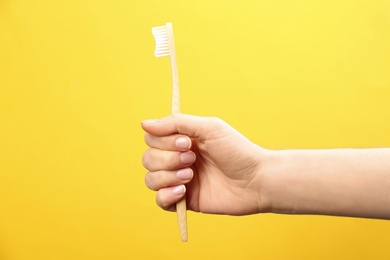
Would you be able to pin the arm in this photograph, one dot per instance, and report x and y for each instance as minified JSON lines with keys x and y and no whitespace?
{"x":222,"y":172}
{"x":343,"y":182}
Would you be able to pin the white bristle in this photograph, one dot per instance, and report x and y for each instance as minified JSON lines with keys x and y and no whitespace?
{"x":161,"y":36}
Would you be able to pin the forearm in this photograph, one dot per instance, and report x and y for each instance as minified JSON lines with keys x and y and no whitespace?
{"x":343,"y":182}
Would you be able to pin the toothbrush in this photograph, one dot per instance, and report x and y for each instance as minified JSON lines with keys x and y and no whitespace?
{"x":165,"y":46}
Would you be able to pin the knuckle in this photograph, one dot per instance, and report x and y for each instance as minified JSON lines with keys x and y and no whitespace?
{"x":175,"y":116}
{"x":161,"y":202}
{"x":148,"y":181}
{"x":163,"y":180}
{"x":217,"y":121}
{"x":145,"y":159}
{"x":176,"y":119}
{"x":166,"y":160}
{"x":147,"y":139}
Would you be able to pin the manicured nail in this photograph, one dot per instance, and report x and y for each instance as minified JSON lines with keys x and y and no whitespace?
{"x":178,"y":190}
{"x":187,"y":157}
{"x":150,"y":121}
{"x":184,"y":174}
{"x":183,"y":143}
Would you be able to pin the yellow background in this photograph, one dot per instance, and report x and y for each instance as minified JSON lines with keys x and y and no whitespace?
{"x":78,"y":76}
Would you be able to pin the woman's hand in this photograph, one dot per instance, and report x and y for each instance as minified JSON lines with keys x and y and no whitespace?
{"x":217,"y":167}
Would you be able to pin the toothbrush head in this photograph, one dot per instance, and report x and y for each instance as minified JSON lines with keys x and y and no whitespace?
{"x":161,"y":35}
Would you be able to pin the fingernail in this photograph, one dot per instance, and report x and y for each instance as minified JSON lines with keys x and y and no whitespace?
{"x":187,"y":157}
{"x":183,"y":143}
{"x":150,"y":121}
{"x":178,"y":190}
{"x":184,"y":174}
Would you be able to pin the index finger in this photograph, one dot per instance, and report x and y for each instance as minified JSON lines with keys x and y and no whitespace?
{"x":192,"y":126}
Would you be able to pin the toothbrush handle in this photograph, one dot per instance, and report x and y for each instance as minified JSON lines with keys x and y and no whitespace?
{"x":181,"y":206}
{"x":181,"y":209}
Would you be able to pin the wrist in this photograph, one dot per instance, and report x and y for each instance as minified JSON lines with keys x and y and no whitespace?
{"x":272,"y":190}
{"x":262,"y":190}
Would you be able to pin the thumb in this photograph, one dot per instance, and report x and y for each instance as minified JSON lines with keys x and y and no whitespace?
{"x":192,"y":126}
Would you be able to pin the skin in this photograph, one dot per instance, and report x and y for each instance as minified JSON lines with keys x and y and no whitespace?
{"x":222,"y":172}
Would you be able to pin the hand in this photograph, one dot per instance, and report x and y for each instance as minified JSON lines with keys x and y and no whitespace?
{"x":220,"y":167}
{"x":225,"y":173}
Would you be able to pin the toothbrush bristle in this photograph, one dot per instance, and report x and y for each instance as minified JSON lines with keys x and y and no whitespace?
{"x":161,"y":36}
